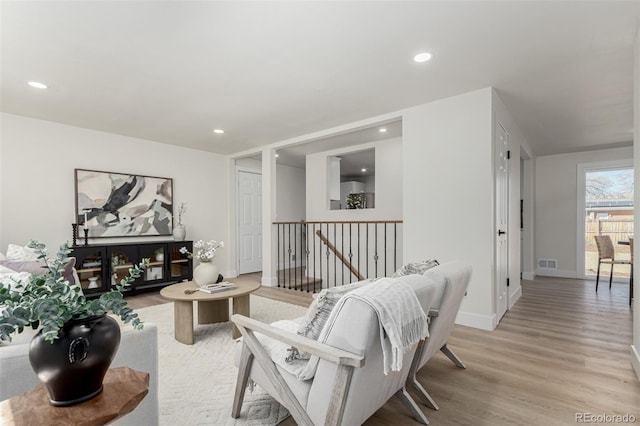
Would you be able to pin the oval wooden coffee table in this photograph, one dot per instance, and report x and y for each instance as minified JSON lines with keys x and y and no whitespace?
{"x":212,"y":308}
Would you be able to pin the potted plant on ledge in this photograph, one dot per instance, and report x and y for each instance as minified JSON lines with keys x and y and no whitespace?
{"x":77,"y":340}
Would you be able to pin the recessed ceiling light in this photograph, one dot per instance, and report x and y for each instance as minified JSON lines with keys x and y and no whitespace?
{"x":382,"y":129}
{"x":37,"y":84}
{"x":363,"y":170}
{"x":277,"y":155}
{"x":422,"y":57}
{"x":218,"y":131}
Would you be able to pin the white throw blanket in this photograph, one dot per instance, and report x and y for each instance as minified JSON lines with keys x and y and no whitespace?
{"x":403,"y":322}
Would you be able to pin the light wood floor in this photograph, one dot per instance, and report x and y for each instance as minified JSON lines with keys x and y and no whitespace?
{"x":561,"y":350}
{"x":300,"y":298}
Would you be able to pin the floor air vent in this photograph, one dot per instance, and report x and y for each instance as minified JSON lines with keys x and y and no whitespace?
{"x":547,"y":263}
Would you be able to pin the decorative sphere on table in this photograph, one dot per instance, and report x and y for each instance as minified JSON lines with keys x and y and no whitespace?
{"x":205,"y":273}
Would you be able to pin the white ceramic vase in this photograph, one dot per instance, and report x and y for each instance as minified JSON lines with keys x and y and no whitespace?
{"x":93,"y":282}
{"x":205,"y":273}
{"x":179,"y":233}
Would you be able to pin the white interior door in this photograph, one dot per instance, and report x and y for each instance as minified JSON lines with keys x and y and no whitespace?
{"x":501,"y":153}
{"x":249,"y":221}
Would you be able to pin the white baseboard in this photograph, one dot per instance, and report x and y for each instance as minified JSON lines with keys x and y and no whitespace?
{"x":635,"y":361}
{"x":513,"y":297}
{"x":528,"y":275}
{"x":545,"y":272}
{"x":483,"y":322}
{"x":269,"y":281}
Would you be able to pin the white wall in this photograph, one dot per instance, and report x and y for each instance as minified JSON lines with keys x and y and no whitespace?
{"x":291,"y":193}
{"x":37,"y":163}
{"x":370,"y":184}
{"x":2,"y":246}
{"x":635,"y":349}
{"x":388,"y":184}
{"x":556,"y":206}
{"x":249,"y":164}
{"x":448,"y":192}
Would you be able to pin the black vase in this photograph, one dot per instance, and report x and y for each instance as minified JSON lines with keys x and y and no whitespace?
{"x":73,"y":366}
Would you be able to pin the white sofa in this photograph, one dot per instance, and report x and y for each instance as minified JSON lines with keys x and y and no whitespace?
{"x":138,"y":350}
{"x":349,"y":384}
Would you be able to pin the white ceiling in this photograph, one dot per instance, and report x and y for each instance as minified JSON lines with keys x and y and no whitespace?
{"x":269,"y":71}
{"x":352,"y":164}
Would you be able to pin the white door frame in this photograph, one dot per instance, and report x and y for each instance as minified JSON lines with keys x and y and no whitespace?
{"x":240,"y":169}
{"x":499,"y":286}
{"x":582,"y":170}
{"x":528,"y":253}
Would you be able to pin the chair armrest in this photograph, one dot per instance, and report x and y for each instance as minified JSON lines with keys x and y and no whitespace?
{"x":313,"y":347}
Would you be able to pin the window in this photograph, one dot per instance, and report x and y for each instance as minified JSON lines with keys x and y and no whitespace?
{"x":608,"y":203}
{"x":351,"y":180}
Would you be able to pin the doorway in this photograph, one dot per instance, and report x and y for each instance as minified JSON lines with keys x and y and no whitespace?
{"x":249,"y":221}
{"x":605,"y":207}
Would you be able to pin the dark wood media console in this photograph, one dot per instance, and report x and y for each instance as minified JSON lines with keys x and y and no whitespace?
{"x":101,"y":266}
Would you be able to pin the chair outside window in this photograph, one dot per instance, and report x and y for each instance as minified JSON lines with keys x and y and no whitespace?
{"x":606,"y":255}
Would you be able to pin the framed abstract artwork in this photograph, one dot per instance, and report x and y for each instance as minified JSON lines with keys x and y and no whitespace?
{"x":121,"y":205}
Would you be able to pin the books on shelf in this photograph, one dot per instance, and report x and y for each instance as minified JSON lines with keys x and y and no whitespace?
{"x":214,"y":288}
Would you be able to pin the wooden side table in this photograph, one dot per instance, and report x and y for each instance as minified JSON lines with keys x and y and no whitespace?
{"x":212,"y":308}
{"x":123,"y":390}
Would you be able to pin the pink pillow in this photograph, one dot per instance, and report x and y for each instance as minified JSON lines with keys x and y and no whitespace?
{"x":36,"y":267}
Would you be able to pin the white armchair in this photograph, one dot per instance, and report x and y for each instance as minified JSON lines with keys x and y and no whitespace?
{"x":456,"y":276}
{"x":279,"y":385}
{"x":349,"y":384}
{"x":345,"y":388}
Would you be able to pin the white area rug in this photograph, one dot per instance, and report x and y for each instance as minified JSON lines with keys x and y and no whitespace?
{"x":197,"y":381}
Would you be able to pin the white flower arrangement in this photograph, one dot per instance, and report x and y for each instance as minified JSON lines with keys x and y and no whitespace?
{"x":356,"y":201}
{"x":203,"y":251}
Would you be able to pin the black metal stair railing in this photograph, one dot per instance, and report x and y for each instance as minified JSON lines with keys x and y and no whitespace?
{"x":316,"y":255}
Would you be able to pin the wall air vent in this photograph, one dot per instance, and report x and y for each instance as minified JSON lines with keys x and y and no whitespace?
{"x":547,"y":263}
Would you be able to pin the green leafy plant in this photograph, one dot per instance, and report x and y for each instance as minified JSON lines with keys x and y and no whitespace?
{"x":356,"y":201}
{"x":49,"y":301}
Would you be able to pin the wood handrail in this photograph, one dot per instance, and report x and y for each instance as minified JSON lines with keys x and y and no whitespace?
{"x":339,"y":255}
{"x":337,"y":221}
